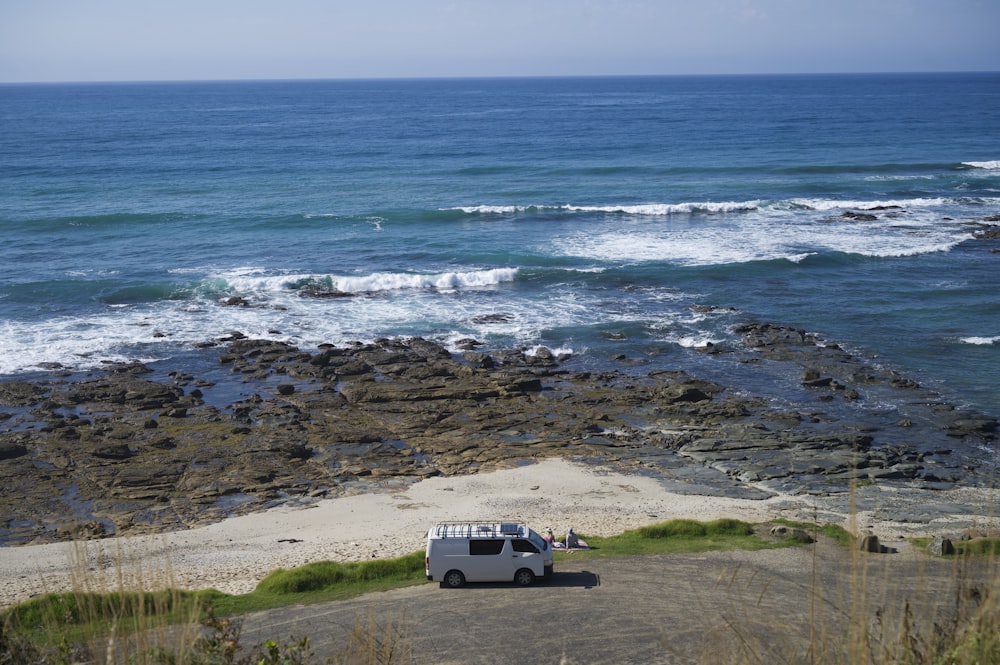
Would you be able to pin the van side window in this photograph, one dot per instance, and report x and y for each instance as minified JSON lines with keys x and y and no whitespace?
{"x":524,"y":546}
{"x":486,"y":547}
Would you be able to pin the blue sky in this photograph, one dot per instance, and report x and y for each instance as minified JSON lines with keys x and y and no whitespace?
{"x":103,"y":40}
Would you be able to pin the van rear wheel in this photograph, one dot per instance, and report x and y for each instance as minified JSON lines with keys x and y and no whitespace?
{"x":454,"y":579}
{"x":524,"y":577}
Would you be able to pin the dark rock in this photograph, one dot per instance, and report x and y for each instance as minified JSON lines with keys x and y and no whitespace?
{"x":811,"y":378}
{"x":685,"y":393}
{"x":870,"y":543}
{"x":479,"y":360}
{"x":285,"y":389}
{"x":406,"y":409}
{"x":134,"y":367}
{"x":119,"y":451}
{"x":20,"y":393}
{"x":163,"y":443}
{"x":315,"y":290}
{"x":859,"y":216}
{"x":11,"y":450}
{"x":493,"y":318}
{"x":792,"y":533}
{"x":941,"y":546}
{"x":987,"y":234}
{"x":972,"y":424}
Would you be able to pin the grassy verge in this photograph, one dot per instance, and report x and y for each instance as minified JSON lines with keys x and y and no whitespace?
{"x":60,"y":628}
{"x":677,"y":537}
{"x":65,"y":618}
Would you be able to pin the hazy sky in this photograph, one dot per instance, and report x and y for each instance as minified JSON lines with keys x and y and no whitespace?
{"x":100,"y":40}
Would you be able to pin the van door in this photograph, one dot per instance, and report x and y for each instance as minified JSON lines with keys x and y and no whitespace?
{"x":489,"y":560}
{"x":526,"y":555}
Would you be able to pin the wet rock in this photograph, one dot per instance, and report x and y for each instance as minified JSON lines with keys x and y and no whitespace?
{"x":811,"y":378}
{"x":118,"y":451}
{"x":11,"y":450}
{"x":407,"y":409}
{"x":20,"y":393}
{"x":860,"y":216}
{"x":971,"y":424}
{"x":991,"y":233}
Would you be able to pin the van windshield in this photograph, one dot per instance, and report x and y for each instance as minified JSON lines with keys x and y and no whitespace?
{"x":537,"y":541}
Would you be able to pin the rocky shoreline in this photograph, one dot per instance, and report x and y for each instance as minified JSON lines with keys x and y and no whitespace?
{"x":121,"y":452}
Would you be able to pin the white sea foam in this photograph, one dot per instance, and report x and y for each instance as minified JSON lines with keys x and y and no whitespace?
{"x":833,"y":204}
{"x":252,"y":280}
{"x":722,"y":207}
{"x":558,"y":351}
{"x":664,"y":209}
{"x":640,"y":209}
{"x":981,"y":341}
{"x":772,"y":233}
{"x":695,"y":342}
{"x":434,"y":305}
{"x":898,"y":178}
{"x":991,"y":165}
{"x":495,"y":209}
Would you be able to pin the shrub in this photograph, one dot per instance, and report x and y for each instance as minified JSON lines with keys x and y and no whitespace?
{"x":326,"y":574}
{"x":310,"y":577}
{"x":693,"y":529}
{"x":673,"y":529}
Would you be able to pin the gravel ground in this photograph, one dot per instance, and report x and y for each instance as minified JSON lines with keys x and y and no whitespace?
{"x":719,"y":607}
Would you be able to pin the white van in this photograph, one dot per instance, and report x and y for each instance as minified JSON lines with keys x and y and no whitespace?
{"x":460,"y":552}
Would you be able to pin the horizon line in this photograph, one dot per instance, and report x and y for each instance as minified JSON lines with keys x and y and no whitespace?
{"x":473,"y":77}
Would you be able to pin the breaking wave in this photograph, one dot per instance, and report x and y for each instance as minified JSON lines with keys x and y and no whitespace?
{"x":246,"y":280}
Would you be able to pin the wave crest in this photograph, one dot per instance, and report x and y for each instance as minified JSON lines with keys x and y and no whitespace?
{"x":990,"y":165}
{"x":245,"y":281}
{"x":640,"y":209}
{"x":981,"y":341}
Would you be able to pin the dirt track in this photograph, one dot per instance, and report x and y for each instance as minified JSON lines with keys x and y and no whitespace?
{"x":659,"y":609}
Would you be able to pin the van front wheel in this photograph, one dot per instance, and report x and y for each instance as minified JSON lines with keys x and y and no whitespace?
{"x":454,"y":579}
{"x":524,"y":577}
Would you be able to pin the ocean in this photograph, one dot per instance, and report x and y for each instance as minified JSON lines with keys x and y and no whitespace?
{"x":634,"y":218}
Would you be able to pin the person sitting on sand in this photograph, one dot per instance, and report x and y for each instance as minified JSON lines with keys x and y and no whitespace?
{"x":550,"y":537}
{"x":571,"y":539}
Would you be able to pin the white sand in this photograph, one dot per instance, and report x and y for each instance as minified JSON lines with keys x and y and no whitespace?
{"x":234,"y":555}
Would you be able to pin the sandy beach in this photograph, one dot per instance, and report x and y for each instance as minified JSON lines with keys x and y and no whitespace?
{"x":234,"y":555}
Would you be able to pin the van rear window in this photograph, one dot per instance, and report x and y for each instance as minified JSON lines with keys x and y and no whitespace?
{"x":485,"y":547}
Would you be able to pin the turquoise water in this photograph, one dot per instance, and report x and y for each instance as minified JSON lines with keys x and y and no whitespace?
{"x":603,"y":216}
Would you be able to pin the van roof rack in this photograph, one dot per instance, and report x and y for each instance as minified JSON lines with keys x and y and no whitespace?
{"x":482,"y":529}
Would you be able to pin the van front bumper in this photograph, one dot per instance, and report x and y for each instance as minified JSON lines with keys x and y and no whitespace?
{"x":547,"y":571}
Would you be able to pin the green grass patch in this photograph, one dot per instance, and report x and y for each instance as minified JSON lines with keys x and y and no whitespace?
{"x":76,"y":617}
{"x":978,"y":547}
{"x":81,"y":616}
{"x":835,"y":532}
{"x":985,"y":547}
{"x":676,"y":537}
